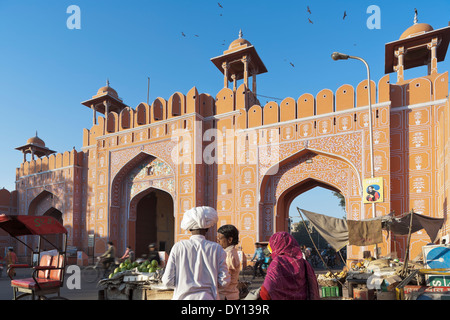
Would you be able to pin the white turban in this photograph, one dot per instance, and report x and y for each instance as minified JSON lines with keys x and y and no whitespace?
{"x":199,"y":218}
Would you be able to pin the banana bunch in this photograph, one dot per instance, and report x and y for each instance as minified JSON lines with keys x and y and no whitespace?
{"x":339,"y":275}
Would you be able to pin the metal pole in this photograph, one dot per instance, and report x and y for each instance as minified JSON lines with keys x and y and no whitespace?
{"x":317,"y":250}
{"x":148,"y":88}
{"x":372,"y":165}
{"x":372,"y":172}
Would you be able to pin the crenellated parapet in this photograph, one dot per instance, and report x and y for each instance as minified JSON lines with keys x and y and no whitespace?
{"x":8,"y":201}
{"x":325,"y":102}
{"x":160,"y":111}
{"x":50,"y":163}
{"x":244,"y":106}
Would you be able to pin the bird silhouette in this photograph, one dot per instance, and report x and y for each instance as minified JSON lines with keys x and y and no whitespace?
{"x":291,"y":64}
{"x":310,"y":21}
{"x":196,"y":35}
{"x":309,"y":10}
{"x":219,"y":4}
{"x":345,"y":14}
{"x":182,"y":33}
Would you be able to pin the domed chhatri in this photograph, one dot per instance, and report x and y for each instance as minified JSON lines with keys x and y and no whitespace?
{"x":105,"y":101}
{"x":36,"y":147}
{"x":240,"y":61}
{"x":418,"y":45}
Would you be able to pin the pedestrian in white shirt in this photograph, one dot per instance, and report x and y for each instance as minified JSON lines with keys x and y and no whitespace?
{"x":197,"y":267}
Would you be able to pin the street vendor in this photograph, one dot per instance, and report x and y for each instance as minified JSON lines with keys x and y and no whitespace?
{"x":153,"y":253}
{"x":128,"y":254}
{"x":197,"y":267}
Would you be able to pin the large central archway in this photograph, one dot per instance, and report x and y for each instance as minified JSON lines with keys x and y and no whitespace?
{"x":134,"y":216}
{"x":154,"y":221}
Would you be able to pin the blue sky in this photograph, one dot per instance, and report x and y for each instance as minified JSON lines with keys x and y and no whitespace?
{"x":47,"y":70}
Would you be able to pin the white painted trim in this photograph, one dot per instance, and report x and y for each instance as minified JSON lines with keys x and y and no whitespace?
{"x":420,"y":105}
{"x":47,"y":171}
{"x":377,"y":105}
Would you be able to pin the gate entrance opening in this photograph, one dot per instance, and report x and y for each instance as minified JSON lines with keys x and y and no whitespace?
{"x":154,"y":222}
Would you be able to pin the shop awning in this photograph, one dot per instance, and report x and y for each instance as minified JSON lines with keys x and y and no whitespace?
{"x":21,"y":225}
{"x":340,"y":232}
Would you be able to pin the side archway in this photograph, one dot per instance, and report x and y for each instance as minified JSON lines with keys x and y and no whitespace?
{"x":297,"y":174}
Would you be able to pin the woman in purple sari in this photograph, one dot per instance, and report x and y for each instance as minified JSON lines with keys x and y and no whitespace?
{"x":289,"y":276}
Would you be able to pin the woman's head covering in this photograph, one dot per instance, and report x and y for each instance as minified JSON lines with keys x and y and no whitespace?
{"x":289,"y":276}
{"x":199,"y":218}
{"x":282,"y":243}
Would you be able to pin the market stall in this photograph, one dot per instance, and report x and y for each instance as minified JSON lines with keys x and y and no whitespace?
{"x":135,"y":281}
{"x":372,"y":278}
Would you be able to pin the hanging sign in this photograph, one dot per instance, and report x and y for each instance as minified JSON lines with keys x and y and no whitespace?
{"x":373,"y":190}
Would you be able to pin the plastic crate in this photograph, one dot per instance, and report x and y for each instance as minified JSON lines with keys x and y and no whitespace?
{"x":328,"y":292}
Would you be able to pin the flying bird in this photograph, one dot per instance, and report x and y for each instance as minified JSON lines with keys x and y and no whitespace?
{"x":310,"y":21}
{"x":196,"y":35}
{"x":309,"y":11}
{"x":291,"y":64}
{"x":182,"y":33}
{"x":219,"y":4}
{"x":345,"y":14}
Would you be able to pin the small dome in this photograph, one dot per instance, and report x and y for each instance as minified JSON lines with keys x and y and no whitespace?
{"x":107,"y":90}
{"x":239,"y":43}
{"x":415,"y":30}
{"x":36,"y":141}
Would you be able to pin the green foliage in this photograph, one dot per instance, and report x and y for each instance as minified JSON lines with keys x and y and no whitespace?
{"x":341,"y":199}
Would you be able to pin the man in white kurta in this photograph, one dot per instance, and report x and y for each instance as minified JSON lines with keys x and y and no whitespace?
{"x":197,"y":267}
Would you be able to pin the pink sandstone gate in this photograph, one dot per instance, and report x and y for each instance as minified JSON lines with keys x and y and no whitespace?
{"x":320,"y":139}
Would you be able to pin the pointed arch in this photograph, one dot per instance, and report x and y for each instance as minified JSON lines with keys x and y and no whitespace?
{"x":44,"y":195}
{"x":134,"y":176}
{"x":298,"y":173}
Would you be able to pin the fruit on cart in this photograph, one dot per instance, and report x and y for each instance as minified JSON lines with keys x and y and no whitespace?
{"x":154,"y":263}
